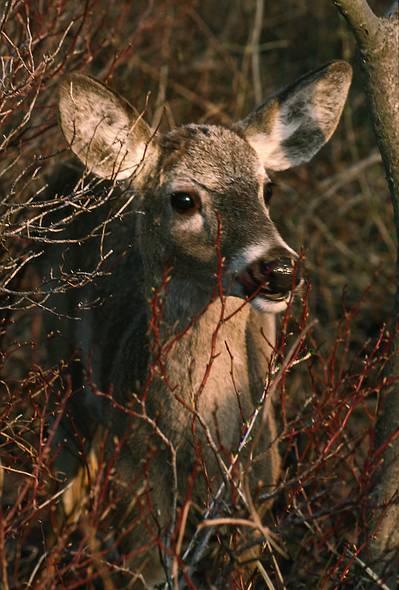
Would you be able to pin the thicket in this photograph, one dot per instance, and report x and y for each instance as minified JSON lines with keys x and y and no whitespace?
{"x":203,"y":62}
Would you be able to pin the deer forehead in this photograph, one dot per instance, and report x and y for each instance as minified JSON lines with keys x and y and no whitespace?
{"x":216,"y":158}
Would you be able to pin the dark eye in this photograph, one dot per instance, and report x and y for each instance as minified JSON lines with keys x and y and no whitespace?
{"x":183,"y":202}
{"x":268,"y":193}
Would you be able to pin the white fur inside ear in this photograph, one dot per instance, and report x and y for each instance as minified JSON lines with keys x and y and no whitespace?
{"x":125,"y":162}
{"x":102,"y":137}
{"x":102,"y":129}
{"x":268,"y":145}
{"x":290,"y":128}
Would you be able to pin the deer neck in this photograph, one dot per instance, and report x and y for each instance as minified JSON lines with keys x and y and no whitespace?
{"x":200,"y":337}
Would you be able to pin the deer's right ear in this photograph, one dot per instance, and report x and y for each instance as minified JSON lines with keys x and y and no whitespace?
{"x":106,"y":133}
{"x":291,"y":127}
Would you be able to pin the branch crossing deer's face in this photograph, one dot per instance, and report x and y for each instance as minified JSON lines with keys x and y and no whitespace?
{"x":205,"y":189}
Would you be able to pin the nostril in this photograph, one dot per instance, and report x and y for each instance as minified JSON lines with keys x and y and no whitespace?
{"x":281,"y":275}
{"x":280,"y":266}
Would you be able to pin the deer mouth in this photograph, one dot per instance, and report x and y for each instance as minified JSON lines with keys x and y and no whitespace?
{"x":253,"y":288}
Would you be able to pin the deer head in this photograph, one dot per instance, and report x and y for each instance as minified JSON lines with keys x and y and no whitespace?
{"x":198,"y":180}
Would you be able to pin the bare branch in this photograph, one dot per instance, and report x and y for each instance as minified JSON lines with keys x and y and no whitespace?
{"x":361,"y":19}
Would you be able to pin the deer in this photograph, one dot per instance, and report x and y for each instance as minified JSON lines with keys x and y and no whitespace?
{"x":184,"y":335}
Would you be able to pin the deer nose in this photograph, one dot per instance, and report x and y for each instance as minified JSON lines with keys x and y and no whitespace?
{"x":271,"y":278}
{"x":280,"y":275}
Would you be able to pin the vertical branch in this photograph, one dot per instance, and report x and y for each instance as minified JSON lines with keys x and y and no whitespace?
{"x":378,"y":41}
{"x":256,"y":33}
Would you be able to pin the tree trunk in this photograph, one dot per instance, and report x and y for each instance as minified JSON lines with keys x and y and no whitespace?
{"x":377,"y":39}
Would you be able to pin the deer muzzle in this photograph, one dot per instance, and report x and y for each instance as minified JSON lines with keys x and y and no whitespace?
{"x":271,"y":279}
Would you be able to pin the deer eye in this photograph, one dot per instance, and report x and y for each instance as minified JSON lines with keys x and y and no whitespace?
{"x":268,"y":193}
{"x":184,"y":202}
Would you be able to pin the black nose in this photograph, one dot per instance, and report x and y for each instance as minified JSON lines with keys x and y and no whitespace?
{"x":279,"y":276}
{"x":273,"y":279}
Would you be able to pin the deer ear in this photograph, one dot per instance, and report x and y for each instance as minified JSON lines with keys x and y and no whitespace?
{"x":291,"y":127}
{"x":106,"y":133}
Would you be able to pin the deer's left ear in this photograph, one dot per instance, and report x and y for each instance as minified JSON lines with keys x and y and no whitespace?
{"x":291,"y":127}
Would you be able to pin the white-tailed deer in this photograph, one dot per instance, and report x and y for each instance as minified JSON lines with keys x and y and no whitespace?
{"x":185,"y":328}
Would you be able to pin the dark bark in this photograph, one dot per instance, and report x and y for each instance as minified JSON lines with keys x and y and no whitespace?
{"x":377,"y":39}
